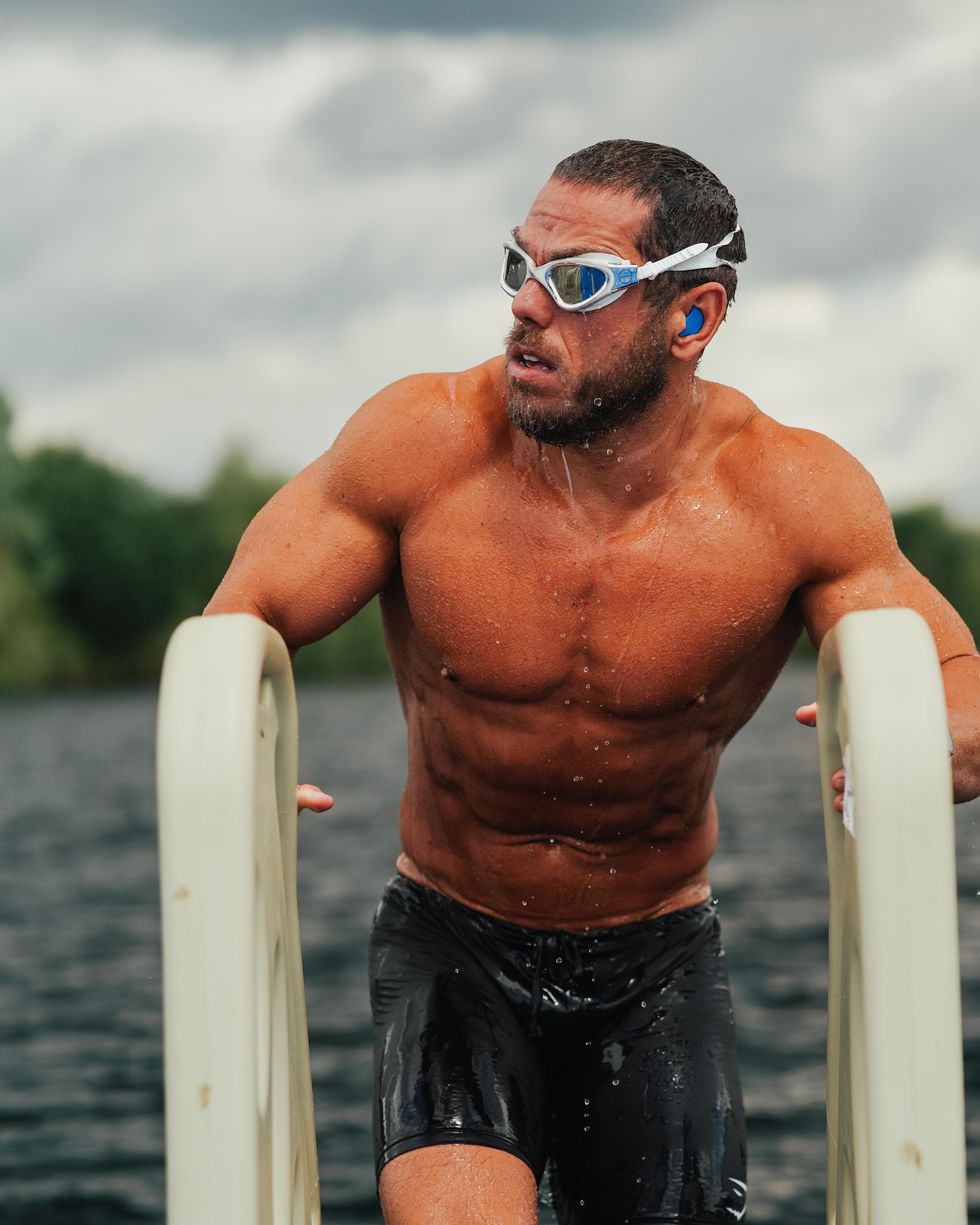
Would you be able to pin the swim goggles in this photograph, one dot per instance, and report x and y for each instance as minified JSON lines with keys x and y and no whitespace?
{"x":593,"y":280}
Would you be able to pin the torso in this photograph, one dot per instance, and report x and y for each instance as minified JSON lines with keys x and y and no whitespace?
{"x":569,"y":688}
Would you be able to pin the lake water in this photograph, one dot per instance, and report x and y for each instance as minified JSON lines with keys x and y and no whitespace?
{"x":81,"y":1101}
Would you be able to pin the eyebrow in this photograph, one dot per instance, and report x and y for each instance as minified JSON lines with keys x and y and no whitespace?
{"x":569,"y":253}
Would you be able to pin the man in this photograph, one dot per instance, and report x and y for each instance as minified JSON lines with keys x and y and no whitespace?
{"x":592,"y":566}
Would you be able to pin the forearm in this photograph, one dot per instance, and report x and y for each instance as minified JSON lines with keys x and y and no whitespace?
{"x":226,"y":600}
{"x":961,"y":678}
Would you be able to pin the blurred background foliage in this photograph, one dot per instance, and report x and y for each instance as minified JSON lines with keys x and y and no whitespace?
{"x":97,"y":567}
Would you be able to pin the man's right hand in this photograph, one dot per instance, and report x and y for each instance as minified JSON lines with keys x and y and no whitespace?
{"x":311,"y":797}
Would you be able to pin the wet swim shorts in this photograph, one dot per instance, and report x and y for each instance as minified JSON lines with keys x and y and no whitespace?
{"x":608,"y":1056}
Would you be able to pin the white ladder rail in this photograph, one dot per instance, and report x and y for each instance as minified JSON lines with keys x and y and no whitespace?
{"x":239,"y":1103}
{"x":895,"y":1115}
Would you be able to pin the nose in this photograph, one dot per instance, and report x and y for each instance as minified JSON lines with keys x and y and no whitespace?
{"x":533,"y":304}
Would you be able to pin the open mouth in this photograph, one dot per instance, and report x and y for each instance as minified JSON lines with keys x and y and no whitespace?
{"x":530,"y":362}
{"x":528,"y":368}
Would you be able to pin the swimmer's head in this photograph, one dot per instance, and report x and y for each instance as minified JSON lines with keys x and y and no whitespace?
{"x":687,"y":204}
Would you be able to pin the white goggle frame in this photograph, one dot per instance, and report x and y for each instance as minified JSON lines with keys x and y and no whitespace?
{"x":619,"y":274}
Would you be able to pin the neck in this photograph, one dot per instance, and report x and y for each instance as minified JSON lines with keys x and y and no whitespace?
{"x":633,"y":464}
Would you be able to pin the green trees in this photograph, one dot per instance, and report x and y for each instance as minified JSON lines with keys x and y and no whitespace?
{"x":97,"y":567}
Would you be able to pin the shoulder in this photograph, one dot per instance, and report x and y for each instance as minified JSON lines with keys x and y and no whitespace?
{"x":824,"y":504}
{"x":416,"y":434}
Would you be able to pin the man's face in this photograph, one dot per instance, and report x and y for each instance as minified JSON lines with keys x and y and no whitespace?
{"x":596,"y":370}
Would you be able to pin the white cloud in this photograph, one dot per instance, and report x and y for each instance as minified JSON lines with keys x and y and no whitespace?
{"x":286,"y":396}
{"x":206,"y":239}
{"x":883,"y":365}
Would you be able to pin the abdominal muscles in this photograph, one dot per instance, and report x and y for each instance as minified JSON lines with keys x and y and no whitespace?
{"x":548,"y":816}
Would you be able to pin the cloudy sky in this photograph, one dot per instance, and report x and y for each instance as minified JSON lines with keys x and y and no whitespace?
{"x":238,"y":219}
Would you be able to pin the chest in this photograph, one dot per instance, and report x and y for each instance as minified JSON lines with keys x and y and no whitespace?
{"x":523,"y":607}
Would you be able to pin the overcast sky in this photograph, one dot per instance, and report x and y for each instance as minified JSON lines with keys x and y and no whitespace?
{"x":238,"y":220}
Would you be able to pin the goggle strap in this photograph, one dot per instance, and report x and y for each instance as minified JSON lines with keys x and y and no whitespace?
{"x":699,"y":255}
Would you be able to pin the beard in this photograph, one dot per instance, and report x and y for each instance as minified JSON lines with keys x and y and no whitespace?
{"x":603,"y":400}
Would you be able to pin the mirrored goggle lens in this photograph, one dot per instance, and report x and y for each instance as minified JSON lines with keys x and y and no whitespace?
{"x":576,"y":283}
{"x":515,"y":270}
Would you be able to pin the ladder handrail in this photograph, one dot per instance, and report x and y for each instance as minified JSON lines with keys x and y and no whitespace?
{"x":239,"y":1103}
{"x":895,"y":1117}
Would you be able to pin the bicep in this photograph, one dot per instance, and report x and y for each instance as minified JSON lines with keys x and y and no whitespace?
{"x":857,"y":564}
{"x":309,"y":559}
{"x":891,"y":583}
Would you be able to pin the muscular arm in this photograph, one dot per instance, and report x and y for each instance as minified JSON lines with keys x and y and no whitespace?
{"x":855,"y":563}
{"x":328,"y":540}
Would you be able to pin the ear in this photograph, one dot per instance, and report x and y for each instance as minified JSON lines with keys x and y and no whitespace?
{"x":693,"y":319}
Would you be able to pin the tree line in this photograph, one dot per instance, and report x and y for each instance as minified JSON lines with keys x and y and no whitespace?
{"x":97,"y":567}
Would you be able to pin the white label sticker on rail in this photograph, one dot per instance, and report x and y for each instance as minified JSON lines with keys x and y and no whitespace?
{"x":848,"y":794}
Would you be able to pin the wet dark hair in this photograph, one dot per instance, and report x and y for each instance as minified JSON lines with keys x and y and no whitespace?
{"x":688,"y":204}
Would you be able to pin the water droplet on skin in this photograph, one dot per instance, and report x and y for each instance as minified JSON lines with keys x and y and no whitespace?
{"x":585,"y":667}
{"x":568,"y":701}
{"x":629,"y":488}
{"x":597,"y":402}
{"x":606,"y":742}
{"x":615,"y":1082}
{"x":576,"y":778}
{"x":587,"y":685}
{"x":643,"y":1003}
{"x":612,"y":871}
{"x":523,"y":903}
{"x":586,"y":1100}
{"x":557,"y":961}
{"x":609,"y":450}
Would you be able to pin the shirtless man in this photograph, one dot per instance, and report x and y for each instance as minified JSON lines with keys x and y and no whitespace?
{"x":592,"y":566}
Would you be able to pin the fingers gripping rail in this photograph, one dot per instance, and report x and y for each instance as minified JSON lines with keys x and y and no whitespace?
{"x":239,"y":1103}
{"x":895,"y":1127}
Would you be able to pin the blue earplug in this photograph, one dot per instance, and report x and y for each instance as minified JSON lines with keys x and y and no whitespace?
{"x":693,"y":323}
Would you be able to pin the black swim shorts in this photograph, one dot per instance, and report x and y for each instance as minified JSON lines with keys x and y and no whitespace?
{"x":608,"y":1056}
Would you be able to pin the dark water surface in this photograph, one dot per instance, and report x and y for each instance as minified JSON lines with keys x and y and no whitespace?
{"x":81,"y":1131}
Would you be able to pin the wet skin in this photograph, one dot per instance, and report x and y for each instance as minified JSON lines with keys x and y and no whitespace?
{"x":572,"y":662}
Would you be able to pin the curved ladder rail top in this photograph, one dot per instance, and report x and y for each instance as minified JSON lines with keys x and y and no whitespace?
{"x":239,"y":1103}
{"x":895,"y":1119}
